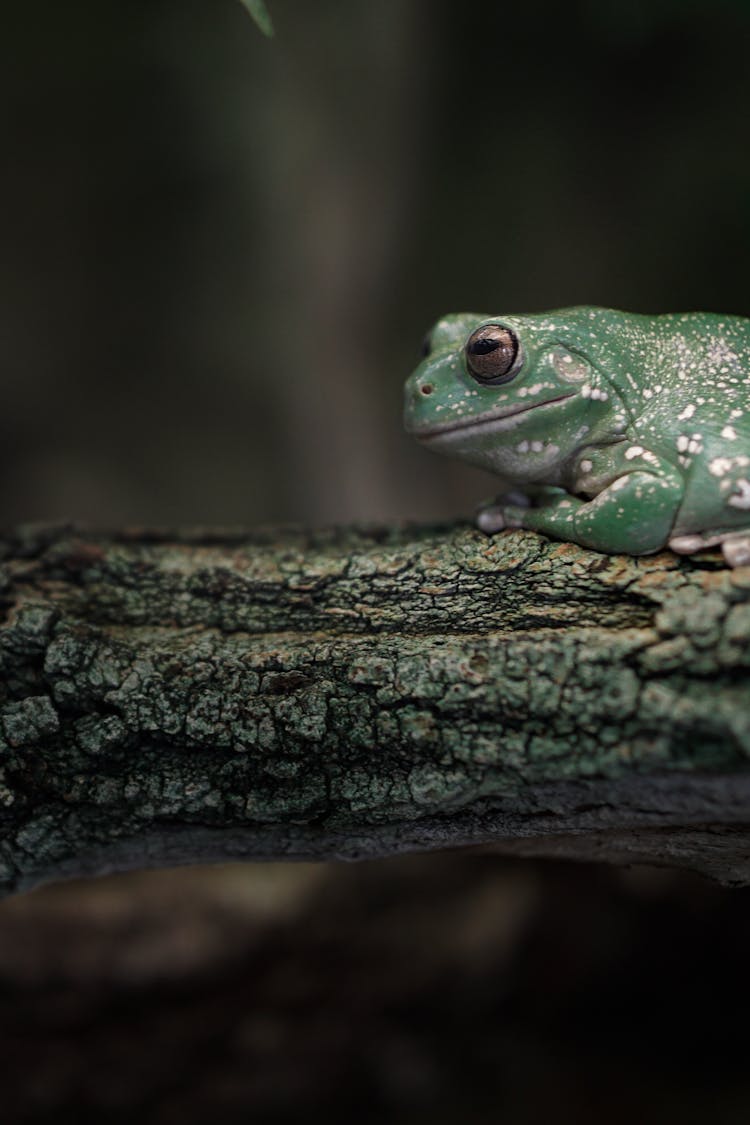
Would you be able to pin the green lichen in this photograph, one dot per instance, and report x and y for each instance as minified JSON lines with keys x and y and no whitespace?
{"x":348,"y":681}
{"x":29,"y":721}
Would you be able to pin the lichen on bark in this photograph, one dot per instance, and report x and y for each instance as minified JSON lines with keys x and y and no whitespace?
{"x":179,"y":696}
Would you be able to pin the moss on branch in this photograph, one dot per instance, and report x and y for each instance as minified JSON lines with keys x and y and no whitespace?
{"x":173,"y":697}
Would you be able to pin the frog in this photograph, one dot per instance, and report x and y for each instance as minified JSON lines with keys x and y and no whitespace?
{"x":624,"y":433}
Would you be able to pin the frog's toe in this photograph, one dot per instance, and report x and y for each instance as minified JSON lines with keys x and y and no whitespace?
{"x":735,"y":548}
{"x":736,"y":551}
{"x":491,"y":519}
{"x":502,"y":512}
{"x":687,"y":544}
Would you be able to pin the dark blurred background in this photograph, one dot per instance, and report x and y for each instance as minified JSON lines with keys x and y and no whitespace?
{"x":221,"y":253}
{"x":219,"y":257}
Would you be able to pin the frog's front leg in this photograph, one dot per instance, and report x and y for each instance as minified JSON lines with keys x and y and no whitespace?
{"x":491,"y":516}
{"x":633,"y":515}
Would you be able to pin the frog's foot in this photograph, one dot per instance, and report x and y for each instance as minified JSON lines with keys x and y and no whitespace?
{"x":691,"y":544}
{"x":492,"y":516}
{"x":735,"y":548}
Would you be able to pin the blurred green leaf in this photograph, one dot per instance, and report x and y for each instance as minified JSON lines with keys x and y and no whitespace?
{"x":260,"y":14}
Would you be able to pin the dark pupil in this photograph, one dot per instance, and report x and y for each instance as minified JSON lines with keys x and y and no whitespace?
{"x":484,"y":346}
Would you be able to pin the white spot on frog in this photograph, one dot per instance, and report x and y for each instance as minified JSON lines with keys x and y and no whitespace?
{"x":719,"y":466}
{"x":741,"y":498}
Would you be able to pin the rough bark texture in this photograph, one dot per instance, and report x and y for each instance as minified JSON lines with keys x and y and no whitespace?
{"x":193,"y":696}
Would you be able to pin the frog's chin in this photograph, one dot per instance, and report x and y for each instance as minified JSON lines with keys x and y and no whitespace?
{"x":489,"y":423}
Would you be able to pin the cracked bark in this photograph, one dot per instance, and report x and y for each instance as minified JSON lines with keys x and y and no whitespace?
{"x":174,"y":697}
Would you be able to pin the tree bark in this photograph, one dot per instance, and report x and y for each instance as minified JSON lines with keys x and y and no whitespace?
{"x":175,"y":697}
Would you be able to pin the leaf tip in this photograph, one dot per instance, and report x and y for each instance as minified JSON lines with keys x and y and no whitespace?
{"x":260,"y":15}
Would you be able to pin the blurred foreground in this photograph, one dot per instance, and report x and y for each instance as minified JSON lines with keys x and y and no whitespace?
{"x":439,"y":989}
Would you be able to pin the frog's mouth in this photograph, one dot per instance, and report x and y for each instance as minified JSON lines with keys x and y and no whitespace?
{"x":490,"y":422}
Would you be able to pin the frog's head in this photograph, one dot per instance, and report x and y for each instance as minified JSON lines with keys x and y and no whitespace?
{"x":514,"y":394}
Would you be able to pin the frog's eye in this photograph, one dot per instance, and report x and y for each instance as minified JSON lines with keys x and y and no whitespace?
{"x":491,"y":354}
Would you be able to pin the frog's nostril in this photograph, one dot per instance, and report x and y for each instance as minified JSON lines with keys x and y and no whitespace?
{"x":427,"y":388}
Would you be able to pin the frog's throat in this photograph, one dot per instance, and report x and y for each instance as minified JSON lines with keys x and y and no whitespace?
{"x":491,"y":420}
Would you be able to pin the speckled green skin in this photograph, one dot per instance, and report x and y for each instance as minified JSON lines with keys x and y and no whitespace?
{"x":175,"y":697}
{"x":625,"y":432}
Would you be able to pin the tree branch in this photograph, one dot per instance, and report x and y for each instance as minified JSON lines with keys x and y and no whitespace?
{"x":194,"y":696}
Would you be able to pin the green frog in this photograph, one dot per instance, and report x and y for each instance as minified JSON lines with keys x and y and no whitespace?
{"x":621,"y":432}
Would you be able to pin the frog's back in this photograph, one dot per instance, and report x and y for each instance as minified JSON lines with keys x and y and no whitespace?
{"x":695,"y":412}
